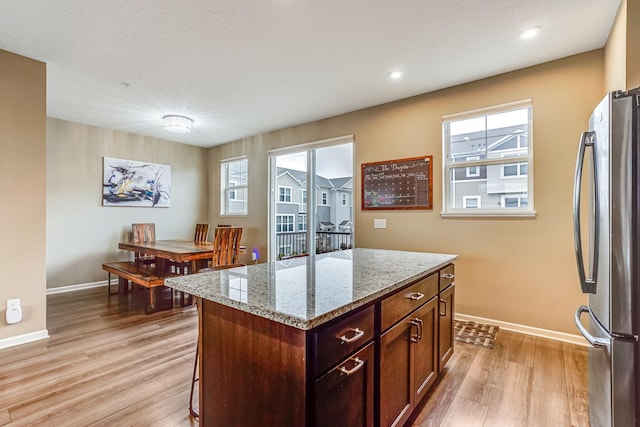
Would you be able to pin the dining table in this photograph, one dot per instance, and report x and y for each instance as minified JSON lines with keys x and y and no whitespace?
{"x":168,"y":253}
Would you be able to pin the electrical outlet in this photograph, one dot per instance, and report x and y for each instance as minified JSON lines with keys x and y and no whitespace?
{"x":13,"y":303}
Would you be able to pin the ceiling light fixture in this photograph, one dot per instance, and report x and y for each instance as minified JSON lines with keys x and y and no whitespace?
{"x":395,"y":74}
{"x":177,"y":124}
{"x":529,"y":32}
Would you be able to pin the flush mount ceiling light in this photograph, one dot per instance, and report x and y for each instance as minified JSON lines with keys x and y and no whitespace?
{"x":395,"y":74}
{"x":177,"y":124}
{"x":529,"y":32}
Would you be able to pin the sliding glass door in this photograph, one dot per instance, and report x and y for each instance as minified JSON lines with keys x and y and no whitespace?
{"x":311,"y":199}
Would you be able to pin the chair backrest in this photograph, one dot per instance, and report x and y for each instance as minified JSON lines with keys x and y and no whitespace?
{"x":226,"y":246}
{"x":202,"y":232}
{"x":143,"y":232}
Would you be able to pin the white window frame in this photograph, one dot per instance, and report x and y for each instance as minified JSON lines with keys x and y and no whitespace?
{"x":448,"y":165}
{"x":324,"y":198}
{"x":302,"y":206}
{"x":279,"y":224}
{"x":343,"y":199}
{"x":229,"y":188}
{"x":282,"y":195}
{"x":466,"y":199}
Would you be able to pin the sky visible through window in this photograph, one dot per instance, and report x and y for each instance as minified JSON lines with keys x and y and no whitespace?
{"x":331,"y":162}
{"x":493,"y":121}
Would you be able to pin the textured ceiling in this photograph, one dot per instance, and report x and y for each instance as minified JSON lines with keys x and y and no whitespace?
{"x":244,"y":67}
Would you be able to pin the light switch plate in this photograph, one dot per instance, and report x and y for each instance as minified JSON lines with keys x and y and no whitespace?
{"x":379,"y":223}
{"x":13,"y":303}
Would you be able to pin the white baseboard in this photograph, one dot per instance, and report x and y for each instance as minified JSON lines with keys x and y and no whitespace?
{"x":71,"y":288}
{"x":24,"y":338}
{"x":528,"y":330}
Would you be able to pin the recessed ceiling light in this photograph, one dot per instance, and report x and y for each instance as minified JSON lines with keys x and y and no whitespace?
{"x":395,"y":74}
{"x":529,"y":32}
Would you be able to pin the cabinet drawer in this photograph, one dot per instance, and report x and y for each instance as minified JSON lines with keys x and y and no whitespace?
{"x":408,"y":299}
{"x":447,"y":276}
{"x":336,"y":341}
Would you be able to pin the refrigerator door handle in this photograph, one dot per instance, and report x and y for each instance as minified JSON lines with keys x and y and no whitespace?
{"x":594,"y":341}
{"x":588,"y":284}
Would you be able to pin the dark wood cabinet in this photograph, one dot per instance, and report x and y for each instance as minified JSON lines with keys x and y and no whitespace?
{"x":344,"y":395}
{"x":371,"y":366}
{"x":408,"y":363}
{"x":446,"y":308}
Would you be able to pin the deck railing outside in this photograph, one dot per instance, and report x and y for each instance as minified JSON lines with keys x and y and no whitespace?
{"x":295,"y":242}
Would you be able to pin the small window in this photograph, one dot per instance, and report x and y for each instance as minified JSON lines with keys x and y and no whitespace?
{"x":302,"y":223}
{"x":284,"y":194}
{"x":343,"y":199}
{"x":284,"y":223}
{"x":488,"y":161}
{"x":325,"y":198}
{"x":234,"y":179}
{"x":471,"y":202}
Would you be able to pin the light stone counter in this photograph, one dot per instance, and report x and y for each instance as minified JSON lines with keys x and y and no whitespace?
{"x":306,"y":292}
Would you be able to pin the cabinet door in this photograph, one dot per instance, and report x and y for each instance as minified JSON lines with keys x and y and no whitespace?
{"x":425,"y":364}
{"x":396,"y":397}
{"x":344,"y":395}
{"x":445,"y":347}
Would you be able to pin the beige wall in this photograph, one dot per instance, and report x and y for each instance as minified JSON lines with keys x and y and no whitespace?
{"x":22,"y":179}
{"x":513,"y":270}
{"x":621,"y":53}
{"x":81,"y":233}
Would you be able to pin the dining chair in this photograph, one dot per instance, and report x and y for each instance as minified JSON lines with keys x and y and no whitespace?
{"x":226,"y":246}
{"x":144,"y":232}
{"x":195,"y":378}
{"x":202,"y":232}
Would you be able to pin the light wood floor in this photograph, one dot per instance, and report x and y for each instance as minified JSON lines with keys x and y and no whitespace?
{"x":109,"y":364}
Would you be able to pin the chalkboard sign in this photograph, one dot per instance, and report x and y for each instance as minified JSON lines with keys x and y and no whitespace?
{"x":398,"y":184}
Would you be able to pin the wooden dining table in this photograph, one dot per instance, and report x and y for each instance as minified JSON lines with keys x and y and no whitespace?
{"x":195,"y":254}
{"x":166,"y":252}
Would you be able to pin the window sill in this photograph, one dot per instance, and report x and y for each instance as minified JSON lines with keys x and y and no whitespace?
{"x":489,"y":214}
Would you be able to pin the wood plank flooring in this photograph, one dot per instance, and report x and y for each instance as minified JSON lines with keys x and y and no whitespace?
{"x":109,"y":364}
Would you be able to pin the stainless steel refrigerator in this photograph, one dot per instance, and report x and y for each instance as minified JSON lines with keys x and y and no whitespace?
{"x":608,"y":257}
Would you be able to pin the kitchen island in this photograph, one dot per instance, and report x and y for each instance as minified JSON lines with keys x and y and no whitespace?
{"x":344,"y":338}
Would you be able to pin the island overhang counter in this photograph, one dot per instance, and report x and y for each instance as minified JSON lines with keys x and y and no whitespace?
{"x":317,"y":340}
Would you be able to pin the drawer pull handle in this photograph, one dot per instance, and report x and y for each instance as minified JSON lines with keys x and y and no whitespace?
{"x":442,"y":301}
{"x":417,"y":322}
{"x":448,"y":276}
{"x":358,"y":364}
{"x":417,"y":296}
{"x":358,"y":333}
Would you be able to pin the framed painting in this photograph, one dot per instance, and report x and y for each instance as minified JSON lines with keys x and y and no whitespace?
{"x":135,"y":183}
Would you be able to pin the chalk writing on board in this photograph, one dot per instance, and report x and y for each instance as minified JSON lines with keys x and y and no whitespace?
{"x":398,"y":184}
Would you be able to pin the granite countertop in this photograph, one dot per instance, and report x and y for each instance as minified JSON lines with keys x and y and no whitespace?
{"x":306,"y":292}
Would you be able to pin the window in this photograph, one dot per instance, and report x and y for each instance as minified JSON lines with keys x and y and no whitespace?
{"x":302,"y":206}
{"x":514,"y":170}
{"x":488,"y":161}
{"x":343,"y":199}
{"x":514,"y":201}
{"x":325,"y":198}
{"x":473,"y":171}
{"x":234,"y":179}
{"x":302,"y":223}
{"x":284,"y":223}
{"x":471,"y":202}
{"x":284,"y":194}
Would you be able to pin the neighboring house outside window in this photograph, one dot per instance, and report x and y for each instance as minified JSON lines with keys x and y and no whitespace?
{"x":284,"y":194}
{"x":488,"y":162}
{"x":234,"y":179}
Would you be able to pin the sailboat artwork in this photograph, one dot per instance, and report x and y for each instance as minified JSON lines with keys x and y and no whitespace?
{"x":135,"y":183}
